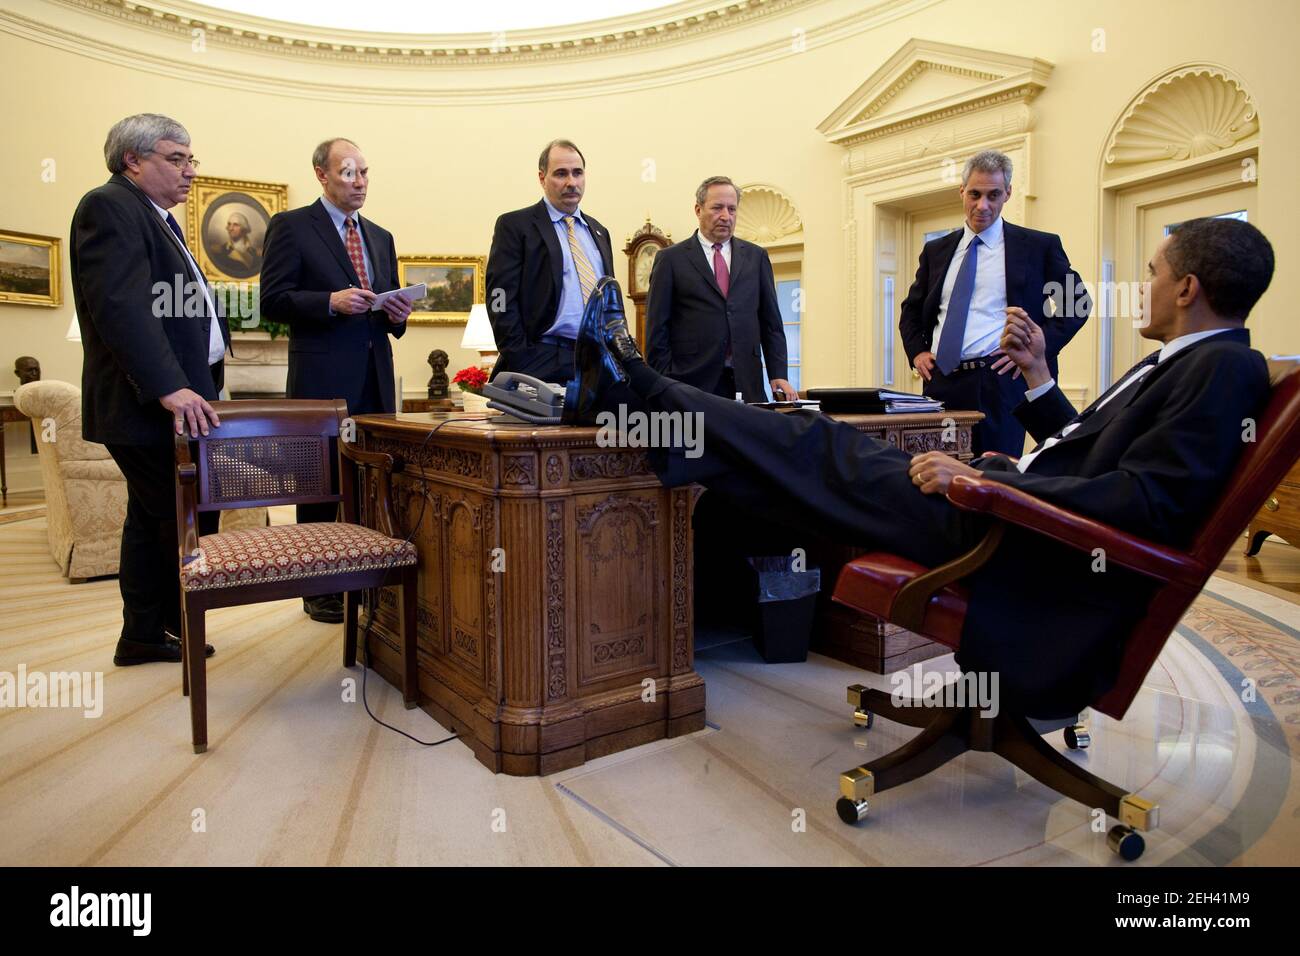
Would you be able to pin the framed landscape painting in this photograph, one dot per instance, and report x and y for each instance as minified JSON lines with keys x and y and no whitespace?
{"x":454,"y":283}
{"x":29,"y":269}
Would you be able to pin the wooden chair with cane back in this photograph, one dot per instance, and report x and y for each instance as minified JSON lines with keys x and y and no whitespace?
{"x":282,"y":452}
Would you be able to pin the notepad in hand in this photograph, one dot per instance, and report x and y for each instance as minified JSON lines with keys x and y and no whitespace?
{"x":413,"y":292}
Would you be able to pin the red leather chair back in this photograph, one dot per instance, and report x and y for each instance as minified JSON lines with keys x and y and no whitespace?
{"x":1263,"y":464}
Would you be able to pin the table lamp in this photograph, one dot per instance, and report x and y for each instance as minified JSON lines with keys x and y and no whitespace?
{"x":478,"y":336}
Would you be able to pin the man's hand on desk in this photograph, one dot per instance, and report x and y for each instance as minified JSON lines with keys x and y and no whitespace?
{"x":933,"y":471}
{"x":351,"y":301}
{"x":398,"y":307}
{"x":788,"y":390}
{"x":1022,"y":341}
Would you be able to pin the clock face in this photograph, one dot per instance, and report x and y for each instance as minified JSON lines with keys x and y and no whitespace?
{"x":644,"y":259}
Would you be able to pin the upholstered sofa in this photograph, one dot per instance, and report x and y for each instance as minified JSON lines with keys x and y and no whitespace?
{"x":85,"y":493}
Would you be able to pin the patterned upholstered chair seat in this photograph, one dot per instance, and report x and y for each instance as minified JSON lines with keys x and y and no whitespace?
{"x":288,"y":552}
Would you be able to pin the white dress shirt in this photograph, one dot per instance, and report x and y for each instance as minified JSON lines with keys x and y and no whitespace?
{"x":708,"y":253}
{"x":216,"y":344}
{"x":988,"y":302}
{"x":1172,"y":347}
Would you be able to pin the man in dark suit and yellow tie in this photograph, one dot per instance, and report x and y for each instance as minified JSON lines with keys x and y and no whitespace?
{"x":150,"y":369}
{"x":711,"y":316}
{"x":324,"y":265}
{"x":544,"y":262}
{"x":954,"y":313}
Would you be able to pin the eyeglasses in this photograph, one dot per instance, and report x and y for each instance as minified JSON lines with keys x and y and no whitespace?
{"x":182,"y":162}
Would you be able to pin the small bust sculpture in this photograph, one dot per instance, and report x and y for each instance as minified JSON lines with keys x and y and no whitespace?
{"x":27,"y":369}
{"x":438,"y":383}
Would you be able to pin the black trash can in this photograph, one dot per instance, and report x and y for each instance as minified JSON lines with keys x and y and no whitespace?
{"x":785,"y":603}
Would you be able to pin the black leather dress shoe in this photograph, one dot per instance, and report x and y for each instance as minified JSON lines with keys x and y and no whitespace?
{"x":602,"y":338}
{"x":130,"y":652}
{"x":326,"y":608}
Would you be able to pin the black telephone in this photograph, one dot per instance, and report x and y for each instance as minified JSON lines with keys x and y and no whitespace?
{"x":525,"y":398}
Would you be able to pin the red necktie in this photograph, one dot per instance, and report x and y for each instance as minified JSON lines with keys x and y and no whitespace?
{"x":354,"y":253}
{"x":720,"y":270}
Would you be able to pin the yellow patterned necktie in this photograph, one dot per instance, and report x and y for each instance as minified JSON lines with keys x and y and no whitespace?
{"x":586,"y":274}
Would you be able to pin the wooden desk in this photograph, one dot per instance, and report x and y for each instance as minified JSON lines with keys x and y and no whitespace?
{"x":584,"y":644}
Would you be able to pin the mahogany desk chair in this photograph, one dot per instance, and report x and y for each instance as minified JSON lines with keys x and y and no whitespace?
{"x":932,"y":603}
{"x":277,"y":452}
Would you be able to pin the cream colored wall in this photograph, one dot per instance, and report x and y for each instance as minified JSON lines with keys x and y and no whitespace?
{"x":441,"y":173}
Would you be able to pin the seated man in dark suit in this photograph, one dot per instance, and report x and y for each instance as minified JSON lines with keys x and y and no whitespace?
{"x":1150,"y":456}
{"x":712,"y":306}
{"x":952,"y":317}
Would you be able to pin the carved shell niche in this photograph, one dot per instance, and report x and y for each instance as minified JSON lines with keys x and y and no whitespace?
{"x":766,"y":215}
{"x":1184,"y":115}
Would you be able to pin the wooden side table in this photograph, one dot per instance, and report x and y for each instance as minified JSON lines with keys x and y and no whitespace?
{"x":1280,"y":514}
{"x":416,"y":405}
{"x":8,"y":413}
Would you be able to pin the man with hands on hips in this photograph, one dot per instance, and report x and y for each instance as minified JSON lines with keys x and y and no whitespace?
{"x":952,"y":318}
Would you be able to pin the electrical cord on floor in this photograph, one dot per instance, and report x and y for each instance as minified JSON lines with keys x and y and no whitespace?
{"x":374,"y":608}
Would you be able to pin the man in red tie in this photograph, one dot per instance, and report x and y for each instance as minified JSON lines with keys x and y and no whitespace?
{"x":323,"y":267}
{"x":712,"y":316}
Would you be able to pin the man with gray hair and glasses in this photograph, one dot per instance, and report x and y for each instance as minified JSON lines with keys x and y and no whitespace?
{"x":149,"y":368}
{"x":967,"y":281}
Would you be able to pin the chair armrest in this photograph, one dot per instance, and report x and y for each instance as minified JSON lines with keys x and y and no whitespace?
{"x":381,"y":492}
{"x":187,"y":509}
{"x":1070,"y":528}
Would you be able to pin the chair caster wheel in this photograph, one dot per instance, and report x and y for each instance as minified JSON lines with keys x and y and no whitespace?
{"x":863,"y":719}
{"x":1126,"y":843}
{"x":1077,"y":737}
{"x":851,"y":811}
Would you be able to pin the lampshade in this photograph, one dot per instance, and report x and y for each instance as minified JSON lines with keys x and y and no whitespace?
{"x":74,"y":329}
{"x":478,"y":335}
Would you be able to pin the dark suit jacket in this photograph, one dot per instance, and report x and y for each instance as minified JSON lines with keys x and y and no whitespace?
{"x":1152,"y":461}
{"x":305,"y":261}
{"x":688,"y":322}
{"x":525,"y":277}
{"x":1034,"y":260}
{"x":137,"y":346}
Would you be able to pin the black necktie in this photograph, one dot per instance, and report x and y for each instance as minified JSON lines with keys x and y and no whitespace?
{"x":176,"y":228}
{"x":1151,"y":359}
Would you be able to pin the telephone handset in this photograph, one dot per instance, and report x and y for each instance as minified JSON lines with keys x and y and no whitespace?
{"x":526,"y":398}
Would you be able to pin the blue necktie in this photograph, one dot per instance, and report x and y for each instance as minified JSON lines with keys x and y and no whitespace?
{"x":948,"y":355}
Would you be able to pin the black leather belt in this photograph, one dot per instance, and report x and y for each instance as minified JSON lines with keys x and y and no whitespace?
{"x":968,"y":364}
{"x":556,"y":340}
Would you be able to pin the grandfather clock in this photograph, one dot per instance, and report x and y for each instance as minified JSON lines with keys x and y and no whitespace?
{"x":641,"y":249}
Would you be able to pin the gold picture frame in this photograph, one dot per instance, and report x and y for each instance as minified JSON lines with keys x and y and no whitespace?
{"x":30,"y":269}
{"x":225,"y":225}
{"x":449,"y":286}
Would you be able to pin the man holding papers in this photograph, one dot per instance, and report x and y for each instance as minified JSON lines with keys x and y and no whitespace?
{"x":324,"y":267}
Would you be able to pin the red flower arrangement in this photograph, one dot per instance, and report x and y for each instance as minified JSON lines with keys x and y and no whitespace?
{"x":471,"y":379}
